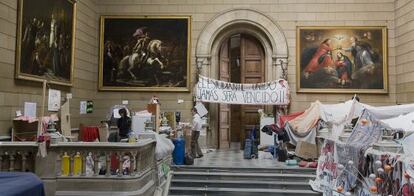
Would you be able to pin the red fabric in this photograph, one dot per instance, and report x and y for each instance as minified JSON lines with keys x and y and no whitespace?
{"x":89,"y":133}
{"x":314,"y":65}
{"x":284,"y":118}
{"x":114,"y":162}
{"x":303,"y":164}
{"x":313,"y":164}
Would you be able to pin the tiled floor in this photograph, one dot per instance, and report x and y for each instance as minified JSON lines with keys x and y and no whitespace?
{"x":234,"y":158}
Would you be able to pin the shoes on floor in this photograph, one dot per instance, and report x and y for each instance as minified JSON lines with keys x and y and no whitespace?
{"x":199,"y":156}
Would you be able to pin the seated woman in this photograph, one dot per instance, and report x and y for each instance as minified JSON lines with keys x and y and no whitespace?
{"x":124,"y":124}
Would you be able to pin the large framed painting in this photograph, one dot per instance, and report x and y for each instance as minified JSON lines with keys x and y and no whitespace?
{"x":342,"y":59}
{"x":45,"y":40}
{"x":144,"y":53}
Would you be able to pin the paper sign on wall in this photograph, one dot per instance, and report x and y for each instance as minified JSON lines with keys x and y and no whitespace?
{"x":54,"y":100}
{"x":30,"y":109}
{"x":83,"y":105}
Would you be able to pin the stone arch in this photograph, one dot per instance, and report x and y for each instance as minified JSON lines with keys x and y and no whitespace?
{"x":243,"y":21}
{"x":247,"y":21}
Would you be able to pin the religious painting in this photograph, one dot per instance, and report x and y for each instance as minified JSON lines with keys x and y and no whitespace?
{"x":45,"y":40}
{"x":144,"y":53}
{"x":342,"y":59}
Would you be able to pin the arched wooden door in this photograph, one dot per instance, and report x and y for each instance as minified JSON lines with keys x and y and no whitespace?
{"x":241,"y":61}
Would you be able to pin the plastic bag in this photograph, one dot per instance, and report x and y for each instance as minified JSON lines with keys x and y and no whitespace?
{"x":164,"y":147}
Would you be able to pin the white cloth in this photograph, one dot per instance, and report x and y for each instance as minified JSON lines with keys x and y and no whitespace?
{"x":340,"y":114}
{"x":385,"y":112}
{"x":408,"y":145}
{"x":306,"y":121}
{"x":294,"y":139}
{"x":197,"y":123}
{"x":404,"y":122}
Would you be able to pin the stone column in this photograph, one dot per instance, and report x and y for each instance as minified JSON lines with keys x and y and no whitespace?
{"x":108,"y":163}
{"x":24,"y":158}
{"x":11,"y":159}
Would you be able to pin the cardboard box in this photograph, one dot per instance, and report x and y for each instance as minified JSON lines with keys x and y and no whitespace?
{"x":24,"y":131}
{"x":306,"y":150}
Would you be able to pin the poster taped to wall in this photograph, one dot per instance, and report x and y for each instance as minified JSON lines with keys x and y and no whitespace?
{"x":54,"y":100}
{"x":268,"y":93}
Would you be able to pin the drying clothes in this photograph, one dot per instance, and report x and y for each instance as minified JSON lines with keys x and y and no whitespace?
{"x":403,"y":122}
{"x":359,"y":141}
{"x":285,"y":118}
{"x":304,"y":126}
{"x":281,"y":132}
{"x":303,"y":123}
{"x":295,"y":136}
{"x":386,"y":112}
{"x":338,"y":115}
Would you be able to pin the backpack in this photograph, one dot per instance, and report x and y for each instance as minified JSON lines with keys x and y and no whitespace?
{"x":188,"y":160}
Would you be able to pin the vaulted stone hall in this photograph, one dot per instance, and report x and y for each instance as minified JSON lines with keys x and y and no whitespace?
{"x":206,"y":97}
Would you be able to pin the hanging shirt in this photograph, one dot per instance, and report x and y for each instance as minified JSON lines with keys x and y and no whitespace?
{"x":197,"y":123}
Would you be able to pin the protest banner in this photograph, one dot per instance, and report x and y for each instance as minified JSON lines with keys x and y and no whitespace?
{"x":268,"y":93}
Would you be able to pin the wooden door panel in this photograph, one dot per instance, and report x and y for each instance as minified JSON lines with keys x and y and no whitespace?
{"x":224,"y":117}
{"x":250,"y":117}
{"x":252,"y":71}
{"x":251,"y":47}
{"x":224,"y":68}
{"x":224,"y":114}
{"x":254,"y":80}
{"x":235,"y":123}
{"x":253,"y":67}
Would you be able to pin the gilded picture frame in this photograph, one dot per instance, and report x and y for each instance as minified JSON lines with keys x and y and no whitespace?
{"x":45,"y":43}
{"x":145,"y":53}
{"x":342,"y":59}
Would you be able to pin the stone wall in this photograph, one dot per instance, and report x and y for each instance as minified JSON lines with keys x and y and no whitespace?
{"x":13,"y":93}
{"x":287,"y":14}
{"x":404,"y":41}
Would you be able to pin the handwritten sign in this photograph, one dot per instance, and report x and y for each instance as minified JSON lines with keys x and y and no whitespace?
{"x":268,"y":93}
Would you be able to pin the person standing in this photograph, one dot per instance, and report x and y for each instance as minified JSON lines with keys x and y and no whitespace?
{"x":344,"y":68}
{"x":321,"y":58}
{"x":195,"y":134}
{"x":124,"y":124}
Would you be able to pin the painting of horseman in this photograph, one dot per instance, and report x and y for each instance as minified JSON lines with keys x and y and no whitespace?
{"x":144,"y":53}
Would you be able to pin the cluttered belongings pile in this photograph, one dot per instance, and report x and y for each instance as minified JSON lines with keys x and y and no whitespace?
{"x":360,"y":149}
{"x":364,"y":150}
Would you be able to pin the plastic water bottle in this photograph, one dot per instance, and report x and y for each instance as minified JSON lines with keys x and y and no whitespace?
{"x":65,"y":164}
{"x":77,"y":164}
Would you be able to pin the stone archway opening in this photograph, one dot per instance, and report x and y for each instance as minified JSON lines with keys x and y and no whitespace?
{"x":223,"y":26}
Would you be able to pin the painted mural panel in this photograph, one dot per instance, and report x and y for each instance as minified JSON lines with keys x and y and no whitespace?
{"x":144,"y":53}
{"x":342,"y":59}
{"x":45,"y":40}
